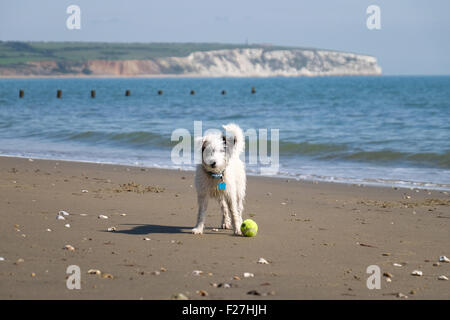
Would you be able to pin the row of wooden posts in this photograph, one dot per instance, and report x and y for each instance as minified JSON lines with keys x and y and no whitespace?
{"x":127,"y":93}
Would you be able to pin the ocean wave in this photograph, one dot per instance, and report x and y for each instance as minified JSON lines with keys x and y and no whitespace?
{"x":133,"y":139}
{"x":441,"y":160}
{"x":329,"y":152}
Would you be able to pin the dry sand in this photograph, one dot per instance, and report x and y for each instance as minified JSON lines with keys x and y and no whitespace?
{"x":318,"y":237}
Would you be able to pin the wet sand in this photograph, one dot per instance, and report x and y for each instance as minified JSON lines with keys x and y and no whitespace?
{"x":318,"y":238}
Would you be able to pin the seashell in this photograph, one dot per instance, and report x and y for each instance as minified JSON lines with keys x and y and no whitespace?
{"x":102,"y":216}
{"x":388,"y":280}
{"x":64,"y":213}
{"x":60,"y":218}
{"x":197,"y":272}
{"x":69,"y":247}
{"x":388,"y":275}
{"x":417,"y":273}
{"x":84,"y":191}
{"x":94,"y":271}
{"x":444,"y":259}
{"x":123,"y":214}
{"x":402,"y":296}
{"x":179,"y":296}
{"x":262,"y":261}
{"x":67,"y":225}
{"x":162,"y":269}
{"x":156,"y":273}
{"x":2,"y":259}
{"x":112,"y":229}
{"x":49,"y":230}
{"x":443,"y":278}
{"x":236,"y":278}
{"x":83,"y":214}
{"x":107,"y":276}
{"x":20,"y":260}
{"x":147,"y":239}
{"x":397,"y":265}
{"x":248,"y":275}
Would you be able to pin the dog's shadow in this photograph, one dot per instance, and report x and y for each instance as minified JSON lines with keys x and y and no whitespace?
{"x":153,"y":228}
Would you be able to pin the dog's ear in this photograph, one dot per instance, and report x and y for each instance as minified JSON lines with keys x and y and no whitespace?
{"x":200,"y":141}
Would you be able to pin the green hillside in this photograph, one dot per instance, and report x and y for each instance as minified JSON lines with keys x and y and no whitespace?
{"x":13,"y":53}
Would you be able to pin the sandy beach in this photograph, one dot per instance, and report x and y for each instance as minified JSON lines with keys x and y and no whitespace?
{"x":318,"y":238}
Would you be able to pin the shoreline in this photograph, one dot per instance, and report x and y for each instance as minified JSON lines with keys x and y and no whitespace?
{"x":333,"y":180}
{"x":319,"y":238}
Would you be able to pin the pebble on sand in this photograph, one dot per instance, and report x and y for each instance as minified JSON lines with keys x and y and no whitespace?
{"x":248,"y":275}
{"x":443,"y":278}
{"x":262,"y":261}
{"x":69,"y":247}
{"x":417,"y":273}
{"x":2,"y":259}
{"x":102,"y":216}
{"x":203,"y":293}
{"x":179,"y":296}
{"x":94,"y":271}
{"x":67,"y":225}
{"x":397,"y":265}
{"x":197,"y":272}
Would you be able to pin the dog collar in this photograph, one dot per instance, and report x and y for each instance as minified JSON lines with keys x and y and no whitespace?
{"x":216,"y":175}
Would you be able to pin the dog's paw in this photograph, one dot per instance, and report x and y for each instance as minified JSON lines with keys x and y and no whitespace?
{"x":197,"y":231}
{"x":226,"y":226}
{"x":238,"y":232}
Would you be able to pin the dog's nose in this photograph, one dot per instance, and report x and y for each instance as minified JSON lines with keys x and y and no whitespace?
{"x":213,"y":164}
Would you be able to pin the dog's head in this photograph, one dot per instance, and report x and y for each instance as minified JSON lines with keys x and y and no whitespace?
{"x":218,"y":148}
{"x":214,"y":153}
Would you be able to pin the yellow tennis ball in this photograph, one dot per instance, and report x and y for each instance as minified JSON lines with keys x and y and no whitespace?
{"x":249,"y":228}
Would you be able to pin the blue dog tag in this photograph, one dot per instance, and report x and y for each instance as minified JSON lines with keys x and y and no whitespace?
{"x":222,"y":186}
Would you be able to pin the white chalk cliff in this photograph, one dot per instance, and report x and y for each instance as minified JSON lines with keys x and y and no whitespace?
{"x":269,"y":63}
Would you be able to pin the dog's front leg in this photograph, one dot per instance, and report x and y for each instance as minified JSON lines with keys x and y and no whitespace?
{"x":226,"y":220}
{"x":236,"y":217}
{"x":202,"y":205}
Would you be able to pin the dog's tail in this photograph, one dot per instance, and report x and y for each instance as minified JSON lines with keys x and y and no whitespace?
{"x":234,"y":132}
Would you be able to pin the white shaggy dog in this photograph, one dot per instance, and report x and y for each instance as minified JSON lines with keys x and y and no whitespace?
{"x":222,"y":176}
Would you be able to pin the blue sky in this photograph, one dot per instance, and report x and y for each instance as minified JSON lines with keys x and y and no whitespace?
{"x":414,"y":35}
